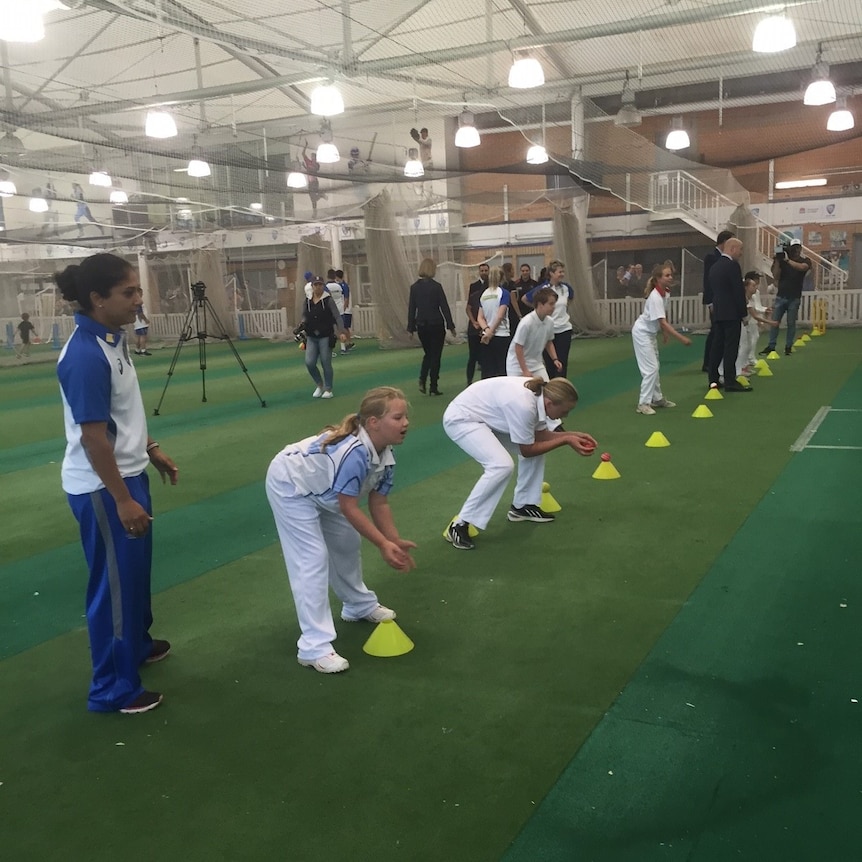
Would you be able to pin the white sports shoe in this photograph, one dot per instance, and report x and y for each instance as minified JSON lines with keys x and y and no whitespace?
{"x":645,"y":409}
{"x":317,"y":392}
{"x":663,"y":402}
{"x":327,"y":394}
{"x":332,"y":663}
{"x":378,"y":615}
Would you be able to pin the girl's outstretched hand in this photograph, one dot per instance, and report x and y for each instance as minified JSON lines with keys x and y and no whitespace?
{"x":398,"y":557}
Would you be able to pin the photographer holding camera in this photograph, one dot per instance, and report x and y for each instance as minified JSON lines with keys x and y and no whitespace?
{"x":788,"y":269}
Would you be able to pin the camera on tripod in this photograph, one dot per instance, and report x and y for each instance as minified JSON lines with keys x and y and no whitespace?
{"x":199,"y":290}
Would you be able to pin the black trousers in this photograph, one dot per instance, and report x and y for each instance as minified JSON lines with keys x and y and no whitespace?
{"x":432,"y":338}
{"x":725,"y":345}
{"x":562,"y":345}
{"x":493,"y":356}
{"x":474,"y":345}
{"x":710,"y":337}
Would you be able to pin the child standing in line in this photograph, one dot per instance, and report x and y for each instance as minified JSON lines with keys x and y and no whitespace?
{"x":24,"y":330}
{"x":644,"y":331}
{"x":533,"y":337}
{"x":757,"y":314}
{"x":314,"y":487}
{"x":493,"y":317}
{"x":500,"y":417}
{"x":142,"y":330}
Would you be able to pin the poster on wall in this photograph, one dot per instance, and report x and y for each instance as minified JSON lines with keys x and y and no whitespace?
{"x":815,"y":238}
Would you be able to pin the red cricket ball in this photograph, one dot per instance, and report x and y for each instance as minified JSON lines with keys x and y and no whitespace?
{"x":606,"y":456}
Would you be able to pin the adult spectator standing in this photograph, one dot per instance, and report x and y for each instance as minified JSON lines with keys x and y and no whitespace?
{"x":474,"y":329}
{"x":336,"y":291}
{"x":429,"y":316}
{"x":788,"y":269}
{"x":493,"y":317}
{"x":729,"y":309}
{"x":709,"y":259}
{"x":521,"y":288}
{"x":560,"y":316}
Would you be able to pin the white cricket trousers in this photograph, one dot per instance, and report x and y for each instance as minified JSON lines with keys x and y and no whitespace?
{"x":646,"y":354}
{"x":492,"y":450}
{"x":321,"y":549}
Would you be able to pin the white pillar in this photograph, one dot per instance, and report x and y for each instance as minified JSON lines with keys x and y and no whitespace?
{"x":335,"y":238}
{"x":578,"y":127}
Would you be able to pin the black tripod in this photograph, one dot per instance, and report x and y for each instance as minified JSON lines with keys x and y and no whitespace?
{"x":200,"y":307}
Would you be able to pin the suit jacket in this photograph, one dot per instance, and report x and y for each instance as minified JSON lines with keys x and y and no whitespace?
{"x":728,"y":292}
{"x":710,"y":258}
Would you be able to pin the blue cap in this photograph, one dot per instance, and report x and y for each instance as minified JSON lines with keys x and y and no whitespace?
{"x":308,"y":275}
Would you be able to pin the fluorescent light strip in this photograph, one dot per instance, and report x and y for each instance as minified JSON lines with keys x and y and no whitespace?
{"x":800,"y":184}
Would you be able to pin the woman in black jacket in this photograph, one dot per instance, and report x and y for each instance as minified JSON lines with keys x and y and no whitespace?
{"x":321,"y":320}
{"x":428,"y":315}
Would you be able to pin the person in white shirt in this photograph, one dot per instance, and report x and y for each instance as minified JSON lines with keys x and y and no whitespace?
{"x":493,"y":317}
{"x":533,"y":337}
{"x":644,"y":331}
{"x":562,"y":321}
{"x":758,"y":313}
{"x":314,"y":488}
{"x":500,"y":417}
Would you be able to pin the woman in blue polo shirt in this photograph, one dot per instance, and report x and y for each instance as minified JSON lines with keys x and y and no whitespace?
{"x":104,"y":476}
{"x":314,"y":488}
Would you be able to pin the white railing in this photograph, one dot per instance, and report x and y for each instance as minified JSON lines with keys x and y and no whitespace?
{"x":681,"y":192}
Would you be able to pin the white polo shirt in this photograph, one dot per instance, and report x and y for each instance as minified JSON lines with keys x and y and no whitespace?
{"x":98,"y":383}
{"x":532,"y":334}
{"x":336,"y":291}
{"x":490,"y":301}
{"x":655,"y":309}
{"x":504,"y":404}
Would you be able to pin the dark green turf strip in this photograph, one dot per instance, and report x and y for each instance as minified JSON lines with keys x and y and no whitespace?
{"x":738,"y":738}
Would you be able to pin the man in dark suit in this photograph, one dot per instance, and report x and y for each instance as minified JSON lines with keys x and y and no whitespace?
{"x":728,"y":311}
{"x":708,"y":261}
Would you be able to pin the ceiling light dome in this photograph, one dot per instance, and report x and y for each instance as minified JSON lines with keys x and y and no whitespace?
{"x":413,"y":168}
{"x":21,"y":22}
{"x":100,"y":178}
{"x":677,"y":138}
{"x":327,"y":153}
{"x":774,"y":33}
{"x":160,"y":124}
{"x":11,"y":145}
{"x":526,"y":73}
{"x":118,"y":196}
{"x":537,"y":155}
{"x":38,"y":205}
{"x":467,"y":135}
{"x":821,"y":91}
{"x":840,"y":120}
{"x":297,"y":180}
{"x":326,"y":101}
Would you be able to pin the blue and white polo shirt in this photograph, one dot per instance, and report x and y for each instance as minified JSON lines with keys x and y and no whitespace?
{"x":98,"y":383}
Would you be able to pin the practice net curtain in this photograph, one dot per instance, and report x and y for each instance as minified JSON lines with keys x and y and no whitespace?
{"x":207,"y":266}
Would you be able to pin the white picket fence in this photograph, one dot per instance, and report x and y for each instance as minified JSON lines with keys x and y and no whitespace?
{"x":843,"y":308}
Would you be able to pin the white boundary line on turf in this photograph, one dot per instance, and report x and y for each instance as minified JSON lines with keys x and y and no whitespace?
{"x":810,"y":429}
{"x":845,"y":409}
{"x":855,"y":448}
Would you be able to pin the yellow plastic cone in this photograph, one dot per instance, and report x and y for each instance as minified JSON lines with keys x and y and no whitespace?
{"x":761,"y":363}
{"x":388,"y":640}
{"x":606,"y":470}
{"x":815,"y":332}
{"x":773,"y":355}
{"x":549,"y":504}
{"x":471,"y":530}
{"x":714,"y":394}
{"x":798,"y":343}
{"x":765,"y":371}
{"x":743,"y":381}
{"x":702,"y":412}
{"x":806,"y":338}
{"x":657,"y":440}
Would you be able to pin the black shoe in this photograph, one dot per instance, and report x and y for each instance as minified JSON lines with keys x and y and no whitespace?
{"x":422,"y":386}
{"x":767,"y":350}
{"x":529,"y":513}
{"x":144,"y":703}
{"x":161,"y":649}
{"x":435,"y":392}
{"x":736,"y":387}
{"x":705,"y":369}
{"x":788,"y":351}
{"x":459,"y":536}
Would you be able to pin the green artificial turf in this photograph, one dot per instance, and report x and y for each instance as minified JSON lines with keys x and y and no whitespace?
{"x":521,"y":645}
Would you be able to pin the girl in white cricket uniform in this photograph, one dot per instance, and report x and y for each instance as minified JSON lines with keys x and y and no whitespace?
{"x":493,"y":317}
{"x":314,"y":487}
{"x":644,"y":331}
{"x":503,"y":415}
{"x":560,"y":316}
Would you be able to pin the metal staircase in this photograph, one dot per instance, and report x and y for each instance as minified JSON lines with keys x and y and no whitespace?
{"x":682,"y":196}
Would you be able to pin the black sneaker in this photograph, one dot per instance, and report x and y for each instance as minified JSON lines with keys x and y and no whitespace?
{"x":788,"y":351}
{"x":459,"y":536}
{"x":161,"y":649}
{"x":767,"y":350}
{"x":143,"y":703}
{"x":529,"y":513}
{"x":422,"y":387}
{"x":435,"y":392}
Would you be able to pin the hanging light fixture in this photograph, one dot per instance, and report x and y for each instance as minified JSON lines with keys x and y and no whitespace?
{"x":118,"y":196}
{"x":11,"y":146}
{"x":526,"y":73}
{"x":326,"y":101}
{"x":467,"y":135}
{"x":537,"y":154}
{"x":774,"y":33}
{"x":101,"y":178}
{"x":160,"y":124}
{"x":677,"y":138}
{"x":8,"y":189}
{"x":256,"y":206}
{"x":413,"y":168}
{"x":841,"y":119}
{"x":21,"y":22}
{"x":297,"y":180}
{"x":37,"y":203}
{"x":198,"y":166}
{"x":327,"y":152}
{"x":628,"y":114}
{"x":821,"y":91}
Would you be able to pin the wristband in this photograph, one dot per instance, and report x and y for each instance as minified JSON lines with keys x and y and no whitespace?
{"x":151,"y":446}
